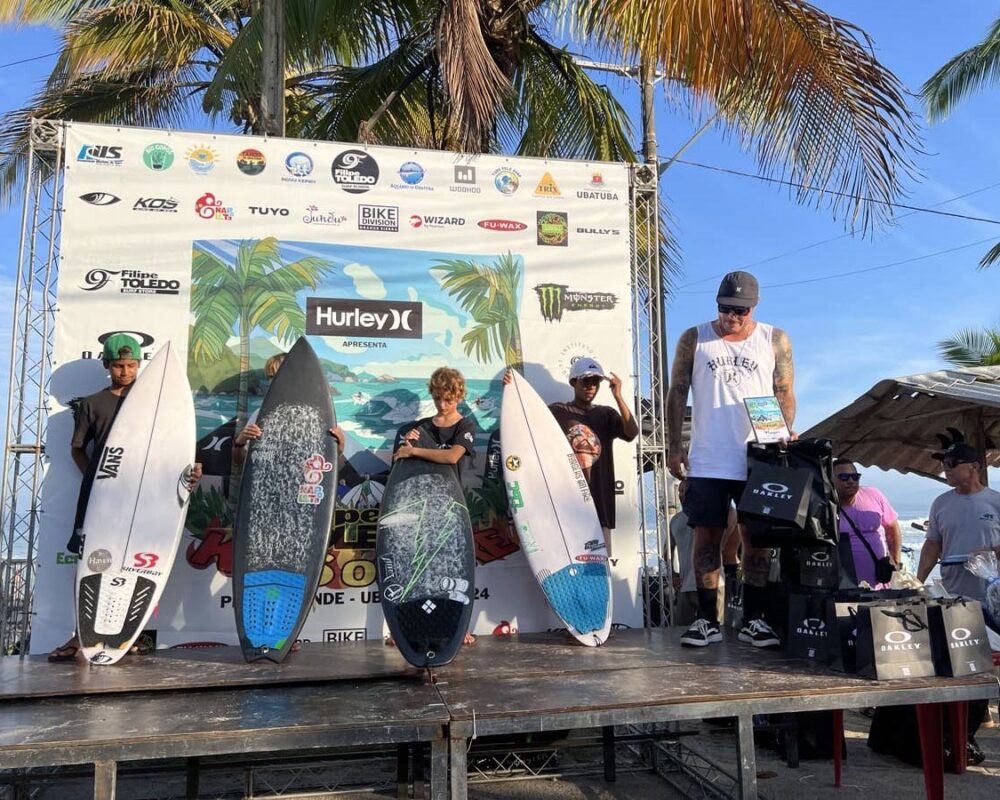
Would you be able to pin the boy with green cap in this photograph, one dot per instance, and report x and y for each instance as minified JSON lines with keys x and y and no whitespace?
{"x":93,"y":416}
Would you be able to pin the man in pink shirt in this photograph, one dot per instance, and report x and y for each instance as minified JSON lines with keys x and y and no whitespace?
{"x":873,"y":518}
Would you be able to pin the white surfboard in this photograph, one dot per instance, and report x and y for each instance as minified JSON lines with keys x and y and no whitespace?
{"x":554,"y":514}
{"x":136,"y":511}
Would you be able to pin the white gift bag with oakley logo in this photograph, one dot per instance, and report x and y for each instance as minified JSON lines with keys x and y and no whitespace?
{"x":894,"y":640}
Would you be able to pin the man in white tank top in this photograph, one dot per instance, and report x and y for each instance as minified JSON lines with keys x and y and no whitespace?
{"x":721,"y":362}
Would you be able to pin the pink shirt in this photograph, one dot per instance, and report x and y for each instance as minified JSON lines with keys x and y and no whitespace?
{"x":871,"y":512}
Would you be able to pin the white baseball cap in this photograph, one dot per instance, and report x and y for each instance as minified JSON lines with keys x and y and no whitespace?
{"x":585,"y":367}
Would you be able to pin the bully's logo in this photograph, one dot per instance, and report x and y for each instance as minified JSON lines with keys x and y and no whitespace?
{"x":554,"y":299}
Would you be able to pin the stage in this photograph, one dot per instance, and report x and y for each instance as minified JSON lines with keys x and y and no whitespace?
{"x":190,"y":703}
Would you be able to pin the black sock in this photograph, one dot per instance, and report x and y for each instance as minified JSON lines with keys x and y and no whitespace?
{"x":729,"y":570}
{"x":708,"y":608}
{"x":754,"y":598}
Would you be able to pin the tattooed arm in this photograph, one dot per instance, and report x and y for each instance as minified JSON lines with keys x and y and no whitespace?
{"x":680,"y":384}
{"x":784,"y":377}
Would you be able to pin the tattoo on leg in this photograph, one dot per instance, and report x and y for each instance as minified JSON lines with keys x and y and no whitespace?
{"x":756,"y":566}
{"x":707,"y":561}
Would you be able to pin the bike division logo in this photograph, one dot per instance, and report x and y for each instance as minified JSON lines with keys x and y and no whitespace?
{"x":553,"y":228}
{"x":556,"y":298}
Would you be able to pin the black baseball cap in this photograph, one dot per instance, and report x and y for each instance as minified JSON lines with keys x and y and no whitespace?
{"x":960,"y":452}
{"x":738,"y":289}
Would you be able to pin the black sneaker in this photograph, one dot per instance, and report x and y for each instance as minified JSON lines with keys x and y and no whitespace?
{"x":702,"y":633}
{"x":974,"y":753}
{"x":759,"y":634}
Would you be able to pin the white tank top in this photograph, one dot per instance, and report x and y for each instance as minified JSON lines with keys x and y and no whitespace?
{"x":723,"y":373}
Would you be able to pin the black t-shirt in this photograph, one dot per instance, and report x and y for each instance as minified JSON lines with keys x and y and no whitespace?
{"x":92,"y":420}
{"x":462,"y":433}
{"x":591,"y":433}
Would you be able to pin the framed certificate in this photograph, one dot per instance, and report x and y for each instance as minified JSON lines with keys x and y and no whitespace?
{"x":766,"y":418}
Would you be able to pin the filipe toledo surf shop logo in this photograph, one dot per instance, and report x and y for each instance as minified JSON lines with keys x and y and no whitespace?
{"x":556,"y":298}
{"x":375,"y":319}
{"x":131,"y":281}
{"x":355,"y":171}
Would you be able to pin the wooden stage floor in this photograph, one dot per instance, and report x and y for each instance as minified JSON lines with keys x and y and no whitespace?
{"x":202,"y":702}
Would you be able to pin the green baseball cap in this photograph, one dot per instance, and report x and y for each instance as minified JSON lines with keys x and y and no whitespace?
{"x":116,"y":343}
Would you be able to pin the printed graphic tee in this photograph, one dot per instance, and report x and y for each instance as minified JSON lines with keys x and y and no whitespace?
{"x":723,"y":373}
{"x":591,"y":433}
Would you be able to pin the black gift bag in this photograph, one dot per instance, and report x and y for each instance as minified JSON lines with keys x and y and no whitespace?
{"x":959,"y":642}
{"x":842,"y":624}
{"x":894,"y":640}
{"x":776,"y":493}
{"x":807,"y":633}
{"x":819,"y":567}
{"x":777,"y":518}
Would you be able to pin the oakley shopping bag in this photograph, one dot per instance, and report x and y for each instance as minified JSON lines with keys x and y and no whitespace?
{"x":807,"y":633}
{"x":959,"y":643}
{"x":894,"y":640}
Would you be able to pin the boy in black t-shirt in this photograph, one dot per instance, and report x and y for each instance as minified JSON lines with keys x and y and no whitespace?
{"x":93,"y":416}
{"x":592,"y":429}
{"x":445,"y":438}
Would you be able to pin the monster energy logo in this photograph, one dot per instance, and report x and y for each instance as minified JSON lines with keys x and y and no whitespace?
{"x":556,"y":298}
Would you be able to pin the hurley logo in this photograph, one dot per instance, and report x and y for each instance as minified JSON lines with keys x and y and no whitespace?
{"x":365,"y":318}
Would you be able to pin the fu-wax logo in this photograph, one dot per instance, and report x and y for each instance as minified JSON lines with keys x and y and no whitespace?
{"x":364,"y":318}
{"x":556,"y":298}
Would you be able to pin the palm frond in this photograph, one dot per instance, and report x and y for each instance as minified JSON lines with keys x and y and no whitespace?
{"x":803,"y":87}
{"x":965,"y":74}
{"x":991,"y":257}
{"x":972,"y":347}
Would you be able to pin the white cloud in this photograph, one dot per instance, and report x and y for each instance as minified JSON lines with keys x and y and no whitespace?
{"x":366,"y":282}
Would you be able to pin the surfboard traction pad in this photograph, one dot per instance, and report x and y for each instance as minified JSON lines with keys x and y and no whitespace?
{"x":285,"y":529}
{"x":426,"y":562}
{"x":579,"y":594}
{"x":111,"y":613}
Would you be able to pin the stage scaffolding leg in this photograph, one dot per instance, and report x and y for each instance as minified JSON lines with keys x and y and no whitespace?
{"x":105,"y":780}
{"x":439,"y":769}
{"x":30,"y":362}
{"x":650,"y":362}
{"x":747,"y":757}
{"x":459,"y":770}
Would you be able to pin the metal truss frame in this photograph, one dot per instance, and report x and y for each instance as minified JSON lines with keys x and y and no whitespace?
{"x":27,"y":393}
{"x":649,"y":296}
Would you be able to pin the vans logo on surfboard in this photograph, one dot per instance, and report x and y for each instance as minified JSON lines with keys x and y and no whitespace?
{"x":364,"y":318}
{"x":111,"y":461}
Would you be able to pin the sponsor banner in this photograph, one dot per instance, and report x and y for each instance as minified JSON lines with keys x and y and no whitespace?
{"x":392,"y":262}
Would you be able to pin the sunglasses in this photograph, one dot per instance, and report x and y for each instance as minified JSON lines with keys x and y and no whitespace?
{"x":593,"y":380}
{"x":849,"y":476}
{"x":951,"y":463}
{"x":739,"y":311}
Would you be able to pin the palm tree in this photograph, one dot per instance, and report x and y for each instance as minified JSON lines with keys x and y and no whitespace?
{"x":489,"y":293}
{"x":256,"y":290}
{"x":799,"y":86}
{"x":972,"y":347}
{"x":964,"y":74}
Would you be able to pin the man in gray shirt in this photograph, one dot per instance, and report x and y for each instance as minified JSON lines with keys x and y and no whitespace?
{"x":962,"y":521}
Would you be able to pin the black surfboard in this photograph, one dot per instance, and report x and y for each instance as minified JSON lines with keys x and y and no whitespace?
{"x":285,"y":508}
{"x":426,"y":561}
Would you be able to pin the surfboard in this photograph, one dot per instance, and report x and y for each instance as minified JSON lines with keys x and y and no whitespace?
{"x":285,"y":508}
{"x":136,"y":511}
{"x":426,"y":561}
{"x":554,"y":514}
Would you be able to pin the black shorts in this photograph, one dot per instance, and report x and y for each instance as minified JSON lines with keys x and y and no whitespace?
{"x":707,"y":501}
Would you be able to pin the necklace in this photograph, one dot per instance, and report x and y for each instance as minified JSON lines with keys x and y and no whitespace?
{"x":733,"y":373}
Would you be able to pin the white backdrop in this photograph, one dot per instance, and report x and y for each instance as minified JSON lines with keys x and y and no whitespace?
{"x":365,"y":250}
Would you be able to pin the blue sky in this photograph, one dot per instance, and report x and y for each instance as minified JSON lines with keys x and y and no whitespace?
{"x":848,"y":332}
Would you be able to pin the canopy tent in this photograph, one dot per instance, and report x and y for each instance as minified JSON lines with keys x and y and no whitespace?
{"x":899,"y":422}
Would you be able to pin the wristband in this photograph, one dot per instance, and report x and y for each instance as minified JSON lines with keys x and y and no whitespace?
{"x":239,"y":444}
